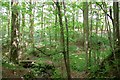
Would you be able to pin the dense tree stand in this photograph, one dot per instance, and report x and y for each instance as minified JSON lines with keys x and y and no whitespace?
{"x":60,"y":39}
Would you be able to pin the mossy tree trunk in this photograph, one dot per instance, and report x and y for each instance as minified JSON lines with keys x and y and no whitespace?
{"x":14,"y":33}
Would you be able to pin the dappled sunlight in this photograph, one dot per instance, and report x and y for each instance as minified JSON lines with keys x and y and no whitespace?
{"x":82,"y":58}
{"x":64,"y":39}
{"x":6,"y":53}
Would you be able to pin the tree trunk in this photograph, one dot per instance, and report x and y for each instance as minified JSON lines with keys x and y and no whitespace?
{"x":73,"y":19}
{"x":62,"y":36}
{"x":116,"y":34}
{"x":114,"y":56}
{"x":116,"y":22}
{"x":9,"y":22}
{"x":90,"y":42}
{"x":56,"y":25}
{"x":67,"y":44}
{"x":31,"y":26}
{"x":42,"y":20}
{"x":22,"y":43}
{"x":97,"y":23}
{"x":14,"y":33}
{"x":86,"y":28}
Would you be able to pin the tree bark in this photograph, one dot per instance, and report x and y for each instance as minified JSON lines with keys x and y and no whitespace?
{"x":9,"y":22}
{"x":67,"y":43}
{"x":90,"y":34}
{"x":116,"y":34}
{"x":116,"y":22}
{"x":62,"y":36}
{"x":42,"y":20}
{"x":86,"y":28}
{"x":14,"y":33}
{"x":56,"y":25}
{"x":31,"y":26}
{"x":22,"y":42}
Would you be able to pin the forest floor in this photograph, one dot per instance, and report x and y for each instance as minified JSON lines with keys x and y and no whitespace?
{"x":18,"y":73}
{"x":76,"y":74}
{"x":9,"y":73}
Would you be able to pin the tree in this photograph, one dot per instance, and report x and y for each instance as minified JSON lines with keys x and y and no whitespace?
{"x":9,"y":22}
{"x":55,"y":23}
{"x":114,"y":56}
{"x":116,"y":23}
{"x":116,"y":34}
{"x":22,"y":31}
{"x":86,"y":30}
{"x":31,"y":25}
{"x":14,"y":32}
{"x":67,"y":43}
{"x":62,"y":38}
{"x":73,"y":18}
{"x":90,"y":33}
{"x":42,"y":22}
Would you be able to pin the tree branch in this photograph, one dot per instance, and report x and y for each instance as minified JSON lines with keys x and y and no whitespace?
{"x":110,"y":16}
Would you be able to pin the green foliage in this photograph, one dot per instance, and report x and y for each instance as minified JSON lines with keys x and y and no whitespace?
{"x":107,"y":68}
{"x":42,"y":69}
{"x":57,"y":74}
{"x":73,"y":48}
{"x":9,"y":65}
{"x":47,"y":37}
{"x":74,"y":36}
{"x":95,"y":39}
{"x":105,"y":53}
{"x":77,"y":62}
{"x":4,"y":42}
{"x":29,"y":76}
{"x":94,"y":68}
{"x":57,"y":57}
{"x":30,"y":50}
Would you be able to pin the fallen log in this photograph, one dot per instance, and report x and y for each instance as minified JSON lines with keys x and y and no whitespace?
{"x":27,"y":63}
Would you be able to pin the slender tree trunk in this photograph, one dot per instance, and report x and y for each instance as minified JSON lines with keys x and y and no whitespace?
{"x":9,"y":22}
{"x":22,"y":43}
{"x":77,"y":20}
{"x":55,"y":23}
{"x":50,"y":37}
{"x":73,"y":22}
{"x":73,"y":19}
{"x":67,"y":41}
{"x":31,"y":26}
{"x":97,"y":33}
{"x":42,"y":19}
{"x":14,"y":33}
{"x":102,"y":30}
{"x":97,"y":23}
{"x":90,"y":42}
{"x":62,"y":35}
{"x":108,"y":31}
{"x":85,"y":24}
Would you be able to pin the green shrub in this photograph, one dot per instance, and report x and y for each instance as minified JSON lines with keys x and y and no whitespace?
{"x":40,"y":69}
